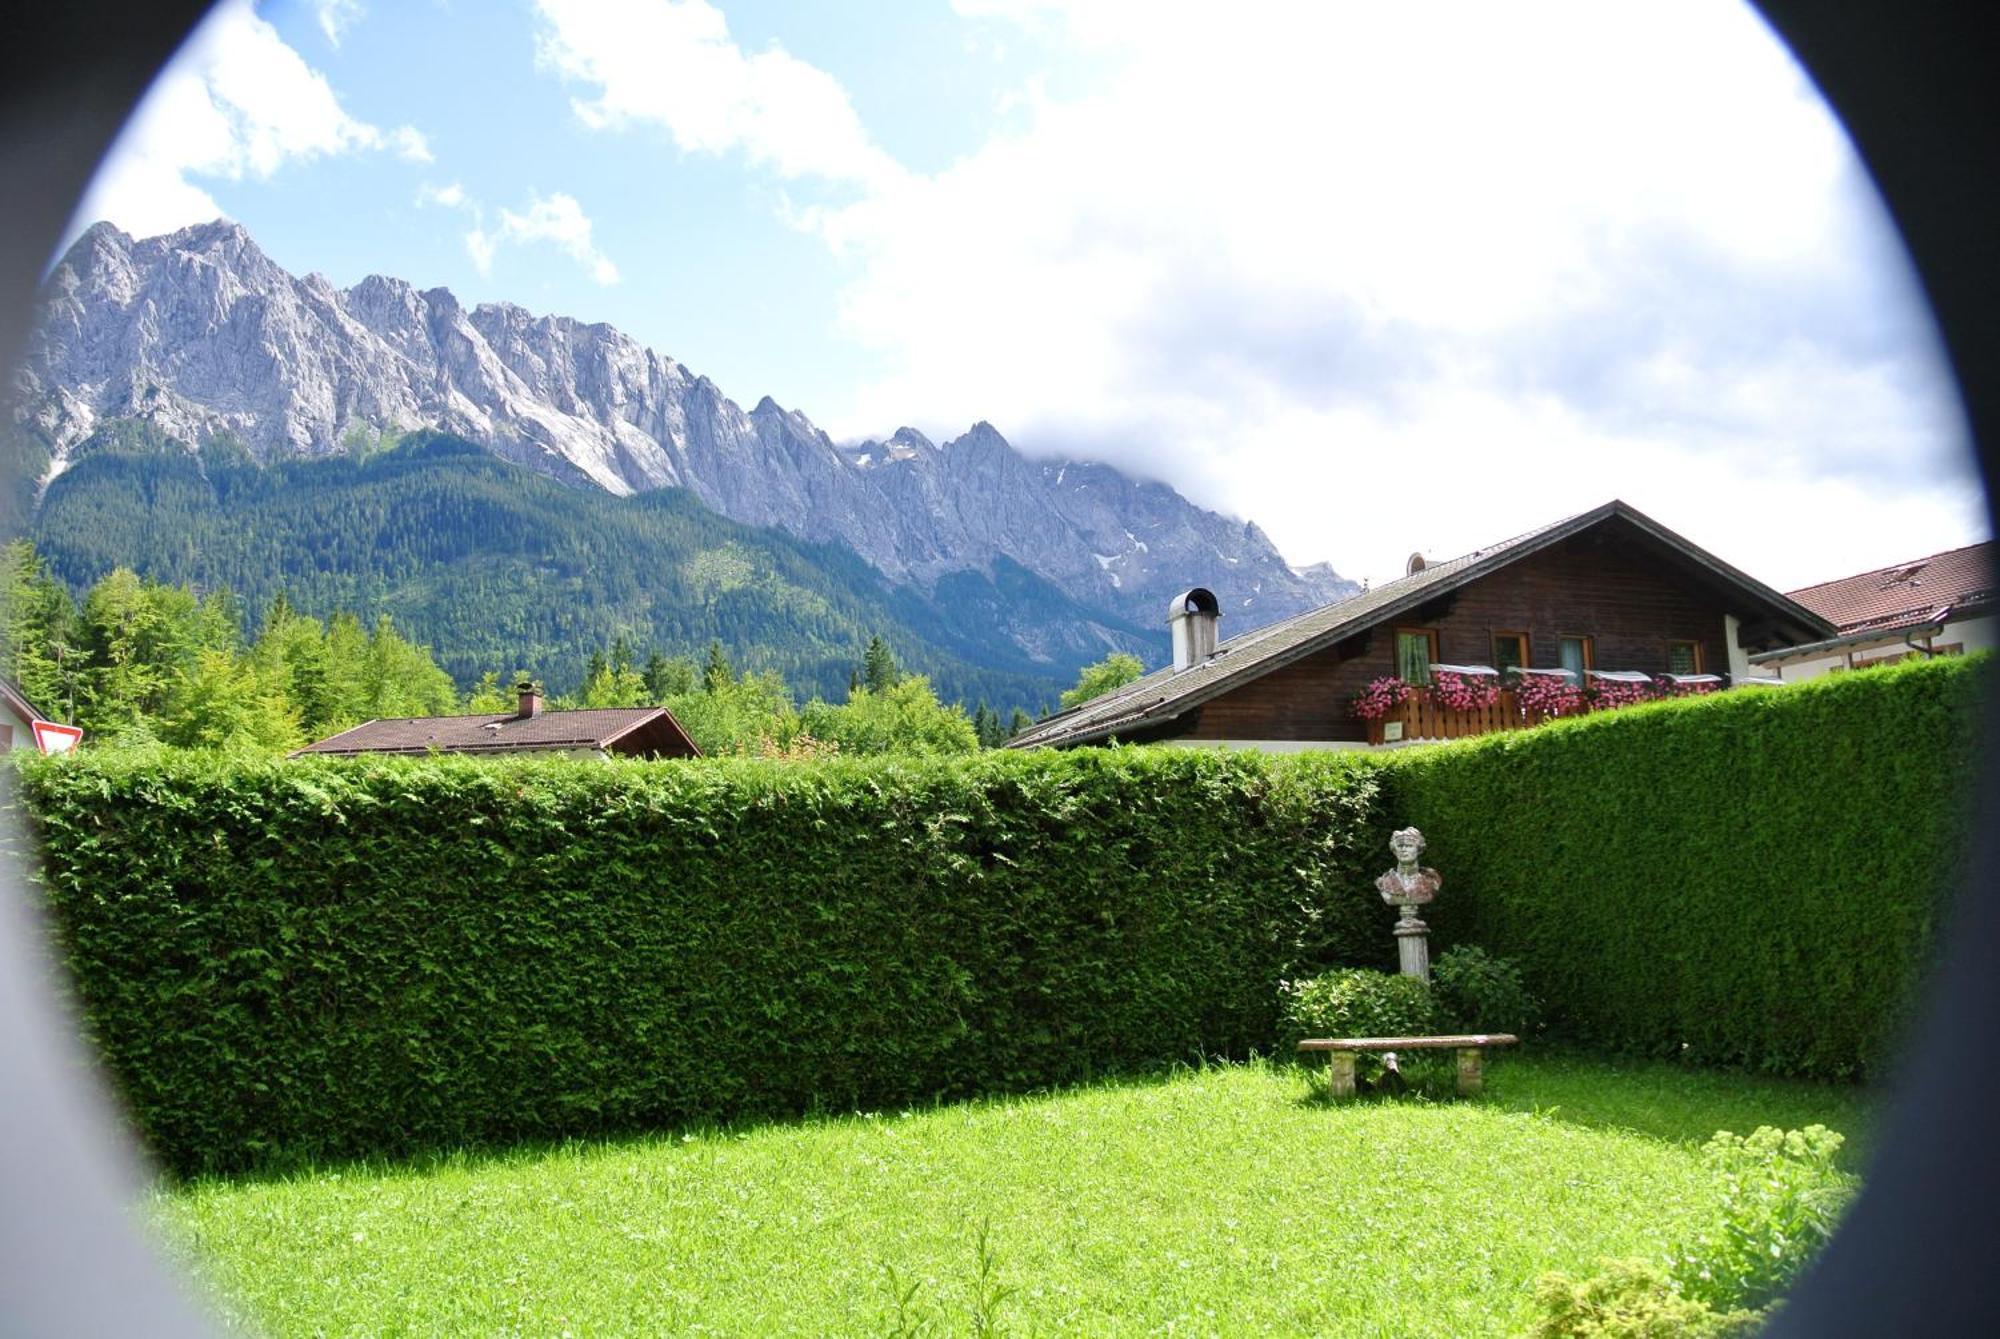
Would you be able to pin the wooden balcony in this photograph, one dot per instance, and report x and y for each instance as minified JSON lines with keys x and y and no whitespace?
{"x":1421,"y":718}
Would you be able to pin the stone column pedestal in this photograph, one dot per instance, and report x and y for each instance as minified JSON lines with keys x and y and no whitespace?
{"x":1413,"y":948}
{"x":1340,"y":1079}
{"x":1470,"y":1074}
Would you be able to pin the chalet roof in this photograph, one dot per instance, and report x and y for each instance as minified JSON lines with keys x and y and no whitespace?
{"x":591,"y":728}
{"x":1166,"y":694}
{"x":1906,"y":595}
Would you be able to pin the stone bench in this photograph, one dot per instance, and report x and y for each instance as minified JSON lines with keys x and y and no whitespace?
{"x":1343,"y":1050}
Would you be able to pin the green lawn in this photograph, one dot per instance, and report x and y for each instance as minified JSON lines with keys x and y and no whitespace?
{"x":1228,"y":1200}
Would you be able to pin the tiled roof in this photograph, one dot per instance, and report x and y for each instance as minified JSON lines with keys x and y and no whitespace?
{"x":592,"y":728}
{"x":1905,"y":595}
{"x":1165,"y":694}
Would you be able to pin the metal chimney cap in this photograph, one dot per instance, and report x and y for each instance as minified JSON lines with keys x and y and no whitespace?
{"x":1199,"y":600}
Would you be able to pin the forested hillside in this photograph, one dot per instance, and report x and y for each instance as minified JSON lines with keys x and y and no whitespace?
{"x":494,"y":566}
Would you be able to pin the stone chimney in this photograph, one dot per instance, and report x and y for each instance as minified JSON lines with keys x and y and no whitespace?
{"x":1192,"y":616}
{"x":531,"y":701}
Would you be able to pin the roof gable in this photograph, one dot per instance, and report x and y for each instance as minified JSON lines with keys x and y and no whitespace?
{"x":1167,"y":693}
{"x":17,"y":703}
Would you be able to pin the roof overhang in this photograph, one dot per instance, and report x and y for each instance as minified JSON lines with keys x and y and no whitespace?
{"x":16,"y":703}
{"x":1887,"y":636}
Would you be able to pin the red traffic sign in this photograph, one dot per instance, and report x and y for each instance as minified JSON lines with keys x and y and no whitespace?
{"x":53,"y":738}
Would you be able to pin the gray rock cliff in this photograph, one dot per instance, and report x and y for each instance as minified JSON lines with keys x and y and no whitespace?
{"x":202,"y":334}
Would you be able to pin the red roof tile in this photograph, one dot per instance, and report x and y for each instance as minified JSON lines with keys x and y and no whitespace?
{"x":1905,"y":595}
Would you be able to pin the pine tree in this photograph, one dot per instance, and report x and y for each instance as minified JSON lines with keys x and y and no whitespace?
{"x":986,"y":724}
{"x":1020,"y":721}
{"x":718,"y":674}
{"x":878,"y":667}
{"x":669,"y":678}
{"x":38,"y":633}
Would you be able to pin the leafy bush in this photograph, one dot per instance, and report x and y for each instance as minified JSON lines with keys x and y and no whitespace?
{"x":1356,"y":1002}
{"x":1630,"y":1299}
{"x":326,"y":958}
{"x":1477,"y":992}
{"x":1782,"y":1197}
{"x":1748,"y":878}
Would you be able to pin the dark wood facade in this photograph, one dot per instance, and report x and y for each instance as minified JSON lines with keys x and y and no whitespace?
{"x":1631,"y":598}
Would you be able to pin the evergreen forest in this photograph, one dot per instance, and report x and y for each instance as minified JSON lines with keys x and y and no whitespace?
{"x":494,"y":567}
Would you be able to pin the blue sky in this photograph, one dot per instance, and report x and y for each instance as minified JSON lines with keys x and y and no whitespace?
{"x":1378,"y":277}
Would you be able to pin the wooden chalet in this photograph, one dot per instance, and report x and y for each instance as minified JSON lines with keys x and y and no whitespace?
{"x":632,"y":732}
{"x":1607,"y":596}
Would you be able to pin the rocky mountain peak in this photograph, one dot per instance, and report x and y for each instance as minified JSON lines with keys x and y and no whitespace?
{"x":201,"y":334}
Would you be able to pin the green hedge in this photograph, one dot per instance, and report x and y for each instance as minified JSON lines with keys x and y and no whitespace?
{"x":322,"y":958}
{"x":328,"y":958}
{"x":1754,"y":878}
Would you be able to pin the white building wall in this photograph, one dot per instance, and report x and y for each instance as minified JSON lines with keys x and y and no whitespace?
{"x":1969,"y":636}
{"x":1732,"y":638}
{"x":23,"y":730}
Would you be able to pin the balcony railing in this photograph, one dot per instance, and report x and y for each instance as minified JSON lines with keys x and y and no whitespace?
{"x":1420,"y":716}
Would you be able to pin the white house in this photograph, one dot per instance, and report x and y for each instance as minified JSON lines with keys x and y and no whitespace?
{"x":1940,"y":605}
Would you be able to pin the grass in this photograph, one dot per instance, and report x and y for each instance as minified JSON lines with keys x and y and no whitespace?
{"x":1224,"y":1200}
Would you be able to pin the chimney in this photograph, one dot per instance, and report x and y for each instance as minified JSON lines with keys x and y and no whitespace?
{"x":1192,"y":616}
{"x":531,"y":701}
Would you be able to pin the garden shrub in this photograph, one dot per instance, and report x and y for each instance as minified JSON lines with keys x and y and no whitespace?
{"x":1477,"y":992}
{"x":1356,"y":1002}
{"x":1630,"y":1299}
{"x":321,"y":958}
{"x":1748,"y":878}
{"x":1782,"y":1197}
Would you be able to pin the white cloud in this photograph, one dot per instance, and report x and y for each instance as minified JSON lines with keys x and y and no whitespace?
{"x":556,"y":219}
{"x":671,"y":64}
{"x":451,"y":196}
{"x":560,"y":221}
{"x":410,"y":144}
{"x":235,"y":102}
{"x":1390,"y":276}
{"x":337,"y":16}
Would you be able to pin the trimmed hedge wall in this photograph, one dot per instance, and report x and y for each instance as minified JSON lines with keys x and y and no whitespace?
{"x":1753,"y":878}
{"x":331,"y":958}
{"x":320,"y":958}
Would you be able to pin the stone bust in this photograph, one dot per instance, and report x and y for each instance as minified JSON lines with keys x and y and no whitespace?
{"x":1408,"y":884}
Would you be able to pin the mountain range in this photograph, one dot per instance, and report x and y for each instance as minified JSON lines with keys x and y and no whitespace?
{"x":204,"y":341}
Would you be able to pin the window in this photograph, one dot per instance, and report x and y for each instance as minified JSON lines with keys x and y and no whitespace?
{"x":1683,"y":657}
{"x":1510,"y":650}
{"x":1416,"y":650}
{"x":1576,"y":656}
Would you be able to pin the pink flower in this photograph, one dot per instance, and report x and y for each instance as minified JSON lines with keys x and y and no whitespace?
{"x":1464,"y":692}
{"x":1379,"y":698}
{"x":1547,"y":695}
